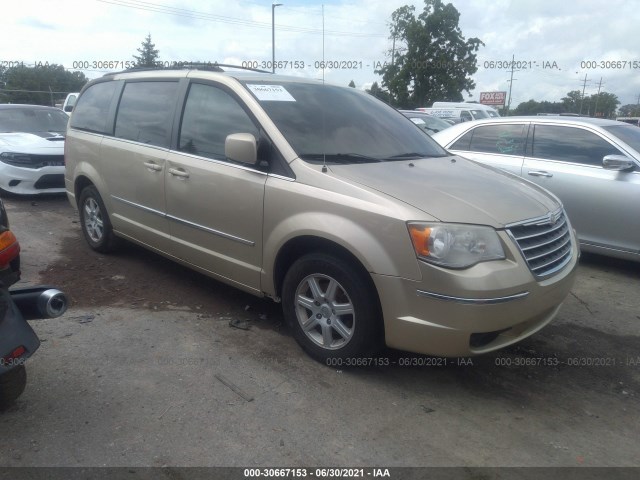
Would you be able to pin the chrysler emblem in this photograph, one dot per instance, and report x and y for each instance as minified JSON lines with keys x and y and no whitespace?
{"x":553,"y":217}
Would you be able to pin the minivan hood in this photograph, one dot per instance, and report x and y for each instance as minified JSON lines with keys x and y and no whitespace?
{"x":454,"y":189}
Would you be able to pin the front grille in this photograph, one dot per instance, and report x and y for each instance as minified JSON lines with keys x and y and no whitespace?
{"x":33,"y":160}
{"x":52,"y":180}
{"x":545,"y":243}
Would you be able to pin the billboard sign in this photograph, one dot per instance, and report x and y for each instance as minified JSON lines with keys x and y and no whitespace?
{"x":493,"y":98}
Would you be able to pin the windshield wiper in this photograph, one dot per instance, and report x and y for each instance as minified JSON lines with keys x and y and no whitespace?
{"x":345,"y":158}
{"x":411,"y":156}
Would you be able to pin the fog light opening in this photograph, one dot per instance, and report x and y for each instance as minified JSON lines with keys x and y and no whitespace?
{"x":482,"y":339}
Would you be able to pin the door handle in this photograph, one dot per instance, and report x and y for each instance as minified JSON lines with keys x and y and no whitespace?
{"x":153,"y":166}
{"x":540,"y":173}
{"x":178,"y":173}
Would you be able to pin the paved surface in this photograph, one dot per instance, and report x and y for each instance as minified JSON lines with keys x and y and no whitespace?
{"x":145,"y":370}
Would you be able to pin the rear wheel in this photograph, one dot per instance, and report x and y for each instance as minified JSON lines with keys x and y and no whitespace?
{"x":332,"y":308}
{"x":95,"y":222}
{"x":12,"y":385}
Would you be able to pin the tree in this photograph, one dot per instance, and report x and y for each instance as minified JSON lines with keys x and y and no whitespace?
{"x":597,"y":105}
{"x":603,"y":105}
{"x":148,"y":54}
{"x":533,"y":108}
{"x":629,"y":110}
{"x":351,"y":84}
{"x":431,"y":60}
{"x":380,"y":94}
{"x":572,"y":101}
{"x":42,"y":84}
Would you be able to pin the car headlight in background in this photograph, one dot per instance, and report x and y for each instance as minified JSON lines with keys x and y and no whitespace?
{"x":18,"y":159}
{"x":455,"y":245}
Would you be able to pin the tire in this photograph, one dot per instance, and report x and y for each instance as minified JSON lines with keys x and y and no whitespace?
{"x":12,"y":385}
{"x":332,"y":308}
{"x":95,"y":222}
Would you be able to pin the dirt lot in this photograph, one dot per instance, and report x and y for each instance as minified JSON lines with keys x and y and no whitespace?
{"x":138,"y":373}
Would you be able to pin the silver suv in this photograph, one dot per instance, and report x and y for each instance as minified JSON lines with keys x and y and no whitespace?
{"x":325,"y":199}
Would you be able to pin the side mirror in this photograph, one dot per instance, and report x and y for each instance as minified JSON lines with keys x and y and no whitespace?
{"x":241,"y":147}
{"x":617,"y":163}
{"x":68,"y":108}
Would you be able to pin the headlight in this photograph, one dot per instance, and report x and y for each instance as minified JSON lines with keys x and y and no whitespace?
{"x":17,"y":159}
{"x":455,"y":245}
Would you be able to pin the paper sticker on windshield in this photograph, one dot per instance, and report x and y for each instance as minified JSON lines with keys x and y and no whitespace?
{"x":418,"y":121}
{"x":272,"y":93}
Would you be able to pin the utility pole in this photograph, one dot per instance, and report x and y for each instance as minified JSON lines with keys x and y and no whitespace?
{"x":273,"y":36}
{"x":595,"y":110}
{"x":513,"y":63}
{"x":584,"y":86}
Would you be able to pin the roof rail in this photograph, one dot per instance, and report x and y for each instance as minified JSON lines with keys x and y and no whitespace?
{"x":213,"y":67}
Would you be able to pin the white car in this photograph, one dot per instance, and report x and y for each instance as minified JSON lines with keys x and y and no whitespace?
{"x":32,"y":149}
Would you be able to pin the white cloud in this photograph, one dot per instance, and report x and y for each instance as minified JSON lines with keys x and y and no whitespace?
{"x":535,"y":31}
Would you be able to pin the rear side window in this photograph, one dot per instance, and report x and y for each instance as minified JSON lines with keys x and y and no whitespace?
{"x":501,"y":139}
{"x":146,"y":111}
{"x":463,"y":142}
{"x":91,"y":111}
{"x":211,"y":114}
{"x":569,"y":144}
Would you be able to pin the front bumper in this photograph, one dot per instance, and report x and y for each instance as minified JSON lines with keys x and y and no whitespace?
{"x":456,"y":313}
{"x":28,"y":181}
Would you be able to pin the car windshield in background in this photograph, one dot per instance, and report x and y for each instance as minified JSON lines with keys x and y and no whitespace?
{"x":627,"y":133}
{"x":477,"y":114}
{"x":341,"y":125}
{"x":33,"y":120}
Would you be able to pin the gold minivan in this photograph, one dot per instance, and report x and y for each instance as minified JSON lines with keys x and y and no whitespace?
{"x":325,"y":199}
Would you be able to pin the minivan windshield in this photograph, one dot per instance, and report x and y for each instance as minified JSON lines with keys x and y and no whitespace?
{"x":327,"y":123}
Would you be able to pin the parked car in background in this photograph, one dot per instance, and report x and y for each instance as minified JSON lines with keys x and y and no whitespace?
{"x":489,"y":110}
{"x":458,"y":115}
{"x":592,"y":165}
{"x":635,"y":121}
{"x":325,"y":199}
{"x":32,"y":149}
{"x":427,"y":123}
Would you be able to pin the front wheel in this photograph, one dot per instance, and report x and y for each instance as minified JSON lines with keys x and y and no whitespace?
{"x":332,"y":308}
{"x":95,"y":222}
{"x":12,"y":384}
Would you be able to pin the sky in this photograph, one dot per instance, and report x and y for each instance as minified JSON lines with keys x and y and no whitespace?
{"x":555,"y":43}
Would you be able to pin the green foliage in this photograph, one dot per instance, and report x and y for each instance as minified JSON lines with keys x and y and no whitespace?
{"x":148,"y":54}
{"x":432,"y":60}
{"x":42,"y":84}
{"x":380,"y":94}
{"x":532,"y":107}
{"x":602,"y":105}
{"x":629,"y":110}
{"x":572,"y":101}
{"x":597,"y":105}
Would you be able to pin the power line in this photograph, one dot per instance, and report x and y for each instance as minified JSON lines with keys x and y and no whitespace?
{"x":181,"y":12}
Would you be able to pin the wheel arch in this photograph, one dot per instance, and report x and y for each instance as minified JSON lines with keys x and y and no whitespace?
{"x":80,"y":183}
{"x":297,"y":247}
